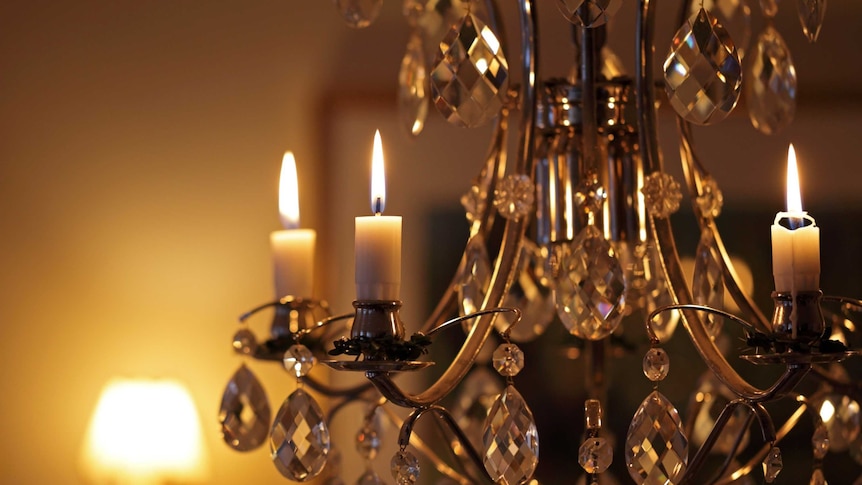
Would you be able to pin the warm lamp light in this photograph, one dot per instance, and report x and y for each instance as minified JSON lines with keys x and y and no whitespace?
{"x":144,"y":432}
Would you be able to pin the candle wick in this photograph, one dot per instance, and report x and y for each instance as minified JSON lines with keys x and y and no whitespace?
{"x":378,"y":206}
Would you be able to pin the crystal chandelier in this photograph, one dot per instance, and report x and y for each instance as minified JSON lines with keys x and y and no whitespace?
{"x":576,"y":227}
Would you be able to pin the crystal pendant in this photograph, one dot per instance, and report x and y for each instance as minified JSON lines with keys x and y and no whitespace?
{"x":244,"y":342}
{"x":657,"y":296}
{"x":707,"y":287}
{"x":478,"y":393}
{"x":244,"y":412}
{"x":817,"y":478}
{"x":412,"y":85}
{"x":820,"y":441}
{"x":770,"y":90}
{"x":359,"y":13}
{"x":595,"y":455}
{"x":405,"y":468}
{"x":734,"y":15}
{"x":299,"y":439}
{"x":706,"y":404}
{"x":772,"y":465}
{"x":703,"y":75}
{"x":511,"y":442}
{"x":656,"y":448}
{"x":298,"y":360}
{"x":656,"y":364}
{"x":589,"y":13}
{"x":841,"y":416}
{"x":530,"y":295}
{"x":590,"y":287}
{"x":811,"y":13}
{"x":370,"y":477}
{"x":508,"y":359}
{"x":470,"y":76}
{"x":368,"y":439}
{"x":475,"y":278}
{"x":661,"y":194}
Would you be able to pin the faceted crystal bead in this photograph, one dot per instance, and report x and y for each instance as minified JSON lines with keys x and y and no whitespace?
{"x":811,"y":13}
{"x":405,"y":468}
{"x":703,"y":75}
{"x":710,"y":200}
{"x":475,"y":278}
{"x":656,"y":364}
{"x":478,"y":394}
{"x":370,"y":478}
{"x":595,"y":455}
{"x":820,"y":441}
{"x":244,"y":412}
{"x":590,"y":196}
{"x":412,"y":82}
{"x":661,"y":194}
{"x":359,"y":13}
{"x":299,"y":439}
{"x":817,"y":478}
{"x":707,"y":287}
{"x":514,"y":197}
{"x":511,"y":442}
{"x":589,"y":13}
{"x":841,"y":416}
{"x":508,"y":359}
{"x":593,"y":414}
{"x":470,"y":77}
{"x":530,"y":295}
{"x":590,"y":287}
{"x":734,"y":15}
{"x":656,"y":448}
{"x":298,"y":360}
{"x":772,"y":465}
{"x":770,"y":89}
{"x":244,"y":342}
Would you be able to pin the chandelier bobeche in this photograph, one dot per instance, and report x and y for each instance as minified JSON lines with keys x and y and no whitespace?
{"x":587,"y":179}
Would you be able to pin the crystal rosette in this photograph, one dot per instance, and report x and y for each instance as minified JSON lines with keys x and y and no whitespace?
{"x":299,"y":438}
{"x":656,"y":448}
{"x":511,"y":441}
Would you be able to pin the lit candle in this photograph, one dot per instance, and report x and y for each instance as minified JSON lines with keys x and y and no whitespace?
{"x":378,"y":241}
{"x":795,"y":241}
{"x":292,"y":248}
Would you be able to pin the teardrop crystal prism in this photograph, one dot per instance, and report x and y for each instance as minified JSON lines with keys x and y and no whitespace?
{"x":412,"y":87}
{"x":358,"y":13}
{"x":511,"y":441}
{"x":702,"y":72}
{"x":527,"y":293}
{"x":588,"y":13}
{"x":299,"y":439}
{"x":590,"y":286}
{"x":475,"y":278}
{"x":478,"y":393}
{"x":244,"y":412}
{"x":656,"y":448}
{"x":811,"y":13}
{"x":657,"y":296}
{"x":470,"y":77}
{"x":707,"y":286}
{"x":734,"y":15}
{"x":770,"y":90}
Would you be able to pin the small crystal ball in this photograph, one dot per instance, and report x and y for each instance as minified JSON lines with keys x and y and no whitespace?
{"x":244,"y":342}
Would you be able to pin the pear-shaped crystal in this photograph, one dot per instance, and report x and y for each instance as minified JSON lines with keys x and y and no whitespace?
{"x":475,"y":278}
{"x":478,"y":394}
{"x":368,"y":439}
{"x":811,"y":13}
{"x":588,"y":13}
{"x":530,"y":295}
{"x":244,"y":412}
{"x":359,"y":13}
{"x":770,"y":90}
{"x":703,"y":75}
{"x":842,"y":418}
{"x":656,"y":448}
{"x":772,"y":465}
{"x":412,"y":87}
{"x":299,"y":439}
{"x":590,"y":286}
{"x":511,"y":440}
{"x":470,"y":76}
{"x":734,"y":15}
{"x":817,"y":477}
{"x":707,"y":287}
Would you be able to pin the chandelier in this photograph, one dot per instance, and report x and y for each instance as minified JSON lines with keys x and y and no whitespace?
{"x":575,"y":227}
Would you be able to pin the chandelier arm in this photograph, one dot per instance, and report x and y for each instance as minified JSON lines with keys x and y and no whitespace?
{"x":506,"y":263}
{"x":654,"y":340}
{"x":453,"y":321}
{"x":329,"y":391}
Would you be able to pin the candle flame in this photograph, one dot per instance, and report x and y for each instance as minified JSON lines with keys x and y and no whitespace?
{"x":794,"y":196}
{"x":288,"y":193}
{"x":378,"y":177}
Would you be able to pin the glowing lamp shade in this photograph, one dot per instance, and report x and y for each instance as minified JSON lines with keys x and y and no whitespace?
{"x":144,"y":432}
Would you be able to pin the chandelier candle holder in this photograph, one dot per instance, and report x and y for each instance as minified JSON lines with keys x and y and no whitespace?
{"x":581,"y":222}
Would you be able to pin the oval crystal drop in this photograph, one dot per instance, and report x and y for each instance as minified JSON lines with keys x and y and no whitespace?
{"x":595,"y":455}
{"x":811,"y":13}
{"x":656,"y":364}
{"x":702,"y":72}
{"x":299,"y":438}
{"x":475,"y":278}
{"x":511,"y":441}
{"x":244,"y":412}
{"x":656,"y":448}
{"x":359,"y":13}
{"x":412,"y":87}
{"x":770,"y":90}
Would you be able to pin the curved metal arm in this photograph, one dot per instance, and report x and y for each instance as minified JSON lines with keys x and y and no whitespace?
{"x":449,"y":323}
{"x":653,"y":338}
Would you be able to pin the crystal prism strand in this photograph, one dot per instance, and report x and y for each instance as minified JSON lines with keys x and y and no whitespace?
{"x":811,"y":13}
{"x":707,"y":287}
{"x":527,"y":293}
{"x":475,"y":279}
{"x":703,"y":75}
{"x":412,"y":83}
{"x":589,"y":13}
{"x":734,"y":15}
{"x":299,"y":439}
{"x":244,"y":412}
{"x":478,"y":393}
{"x":470,"y":76}
{"x":510,"y":439}
{"x":656,"y":448}
{"x":359,"y":13}
{"x":770,"y":90}
{"x":590,"y":287}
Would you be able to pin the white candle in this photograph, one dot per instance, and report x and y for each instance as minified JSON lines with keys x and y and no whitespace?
{"x":378,"y":241}
{"x":795,"y":249}
{"x":292,"y":248}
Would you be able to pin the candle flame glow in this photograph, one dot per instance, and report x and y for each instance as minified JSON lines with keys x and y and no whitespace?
{"x":378,"y":177}
{"x":288,"y":193}
{"x":794,"y":195}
